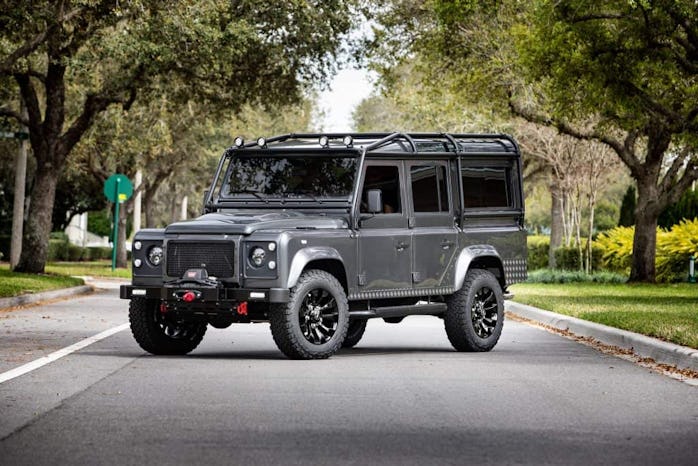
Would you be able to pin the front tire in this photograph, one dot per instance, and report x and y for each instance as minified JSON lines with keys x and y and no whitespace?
{"x":314,"y":322}
{"x":475,"y":314}
{"x":158,"y":335}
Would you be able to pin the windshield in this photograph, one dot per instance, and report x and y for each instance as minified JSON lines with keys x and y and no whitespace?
{"x":289,"y":176}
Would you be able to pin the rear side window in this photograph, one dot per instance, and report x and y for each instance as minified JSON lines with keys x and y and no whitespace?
{"x":485,"y":187}
{"x":429,"y":189}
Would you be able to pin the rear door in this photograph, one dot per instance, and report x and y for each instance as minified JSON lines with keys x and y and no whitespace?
{"x":434,"y":235}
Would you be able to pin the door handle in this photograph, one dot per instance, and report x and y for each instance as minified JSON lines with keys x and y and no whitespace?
{"x":445,"y":244}
{"x":402,"y":246}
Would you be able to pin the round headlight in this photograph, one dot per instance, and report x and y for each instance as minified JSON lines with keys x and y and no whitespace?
{"x":137,"y":245}
{"x":257,"y":256}
{"x":155,"y":255}
{"x":137,"y":263}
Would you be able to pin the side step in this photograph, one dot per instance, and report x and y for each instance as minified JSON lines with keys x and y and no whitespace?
{"x":399,"y":311}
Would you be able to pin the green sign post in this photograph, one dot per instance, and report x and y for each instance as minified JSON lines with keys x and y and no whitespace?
{"x":117,"y":188}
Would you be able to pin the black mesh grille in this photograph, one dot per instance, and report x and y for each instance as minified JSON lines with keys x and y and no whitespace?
{"x":216,"y":258}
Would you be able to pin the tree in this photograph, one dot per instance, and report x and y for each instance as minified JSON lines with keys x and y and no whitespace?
{"x":620,"y":72}
{"x":72,"y":60}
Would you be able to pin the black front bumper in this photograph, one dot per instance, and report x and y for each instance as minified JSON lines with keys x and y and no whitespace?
{"x":211,"y":295}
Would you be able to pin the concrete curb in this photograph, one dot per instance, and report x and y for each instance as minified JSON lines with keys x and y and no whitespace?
{"x":34,"y":298}
{"x":662,"y":352}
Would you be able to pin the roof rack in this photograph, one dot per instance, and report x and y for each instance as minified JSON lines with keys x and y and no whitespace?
{"x":404,"y":142}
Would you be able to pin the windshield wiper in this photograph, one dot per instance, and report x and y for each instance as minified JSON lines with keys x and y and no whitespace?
{"x":306,"y":193}
{"x":250,"y":191}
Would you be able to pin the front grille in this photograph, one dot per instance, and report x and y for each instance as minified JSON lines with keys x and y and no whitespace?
{"x":215,"y":257}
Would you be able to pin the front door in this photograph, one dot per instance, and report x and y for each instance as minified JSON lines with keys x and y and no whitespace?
{"x":385,"y":242}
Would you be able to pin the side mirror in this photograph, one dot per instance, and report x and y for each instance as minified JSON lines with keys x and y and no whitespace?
{"x":375,"y":201}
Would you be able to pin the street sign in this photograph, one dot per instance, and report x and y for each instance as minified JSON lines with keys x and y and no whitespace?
{"x":117,"y":188}
{"x":21,"y":135}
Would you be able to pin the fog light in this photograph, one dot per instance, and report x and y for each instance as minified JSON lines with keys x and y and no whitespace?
{"x":272,"y":265}
{"x":324,"y":141}
{"x":137,"y":263}
{"x":271,"y":246}
{"x":261,"y":142}
{"x":348,"y":141}
{"x":239,"y":142}
{"x":137,"y":245}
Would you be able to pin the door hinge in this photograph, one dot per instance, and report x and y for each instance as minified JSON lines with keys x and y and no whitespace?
{"x":362,"y":279}
{"x":416,"y":277}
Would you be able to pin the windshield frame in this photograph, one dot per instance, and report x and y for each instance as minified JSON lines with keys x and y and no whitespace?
{"x":221,"y":200}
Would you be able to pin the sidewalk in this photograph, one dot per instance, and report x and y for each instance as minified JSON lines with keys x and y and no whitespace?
{"x":643,"y":346}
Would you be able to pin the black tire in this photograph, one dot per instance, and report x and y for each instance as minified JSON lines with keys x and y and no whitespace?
{"x":475,"y":314}
{"x":355,"y":332}
{"x":158,"y":335}
{"x":314,"y":323}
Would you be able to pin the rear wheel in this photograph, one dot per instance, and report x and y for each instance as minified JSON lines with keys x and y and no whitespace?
{"x":475,"y":314}
{"x":159,"y":335}
{"x":314,"y":323}
{"x":354,"y":334}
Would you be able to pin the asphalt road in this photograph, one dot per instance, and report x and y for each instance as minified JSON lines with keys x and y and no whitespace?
{"x":402,"y":396}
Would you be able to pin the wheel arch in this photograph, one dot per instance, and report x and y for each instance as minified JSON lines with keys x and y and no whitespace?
{"x":320,"y":258}
{"x":481,"y":256}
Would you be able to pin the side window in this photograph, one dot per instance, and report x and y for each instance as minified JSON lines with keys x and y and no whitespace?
{"x":485,"y":187}
{"x":387,"y":179}
{"x":429,"y":188}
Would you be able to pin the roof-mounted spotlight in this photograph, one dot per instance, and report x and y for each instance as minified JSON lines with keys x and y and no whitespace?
{"x":239,"y":142}
{"x":348,"y":141}
{"x":324,"y":141}
{"x":261,"y":142}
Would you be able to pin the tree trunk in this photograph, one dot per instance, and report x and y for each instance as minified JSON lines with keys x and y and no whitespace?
{"x":556,"y":222}
{"x":38,"y":226}
{"x":645,"y":239}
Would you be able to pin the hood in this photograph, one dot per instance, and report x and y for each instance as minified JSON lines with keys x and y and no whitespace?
{"x":245,"y":223}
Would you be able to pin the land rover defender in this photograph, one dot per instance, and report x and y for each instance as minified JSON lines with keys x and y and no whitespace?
{"x":317,"y":233}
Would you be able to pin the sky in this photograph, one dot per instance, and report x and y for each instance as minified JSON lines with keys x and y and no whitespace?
{"x":347,"y":89}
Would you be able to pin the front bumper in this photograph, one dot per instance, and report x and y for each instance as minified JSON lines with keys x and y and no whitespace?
{"x":212,"y":295}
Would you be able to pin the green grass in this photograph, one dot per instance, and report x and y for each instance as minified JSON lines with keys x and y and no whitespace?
{"x":668,"y":312}
{"x":15,"y":284}
{"x":91,"y":269}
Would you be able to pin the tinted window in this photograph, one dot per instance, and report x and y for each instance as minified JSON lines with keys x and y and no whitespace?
{"x":289,"y":176}
{"x":429,"y":189}
{"x":485,"y":187}
{"x":387,"y":179}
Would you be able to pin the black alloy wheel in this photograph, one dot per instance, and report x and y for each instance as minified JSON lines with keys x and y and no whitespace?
{"x":484,"y":312}
{"x":318,"y":316}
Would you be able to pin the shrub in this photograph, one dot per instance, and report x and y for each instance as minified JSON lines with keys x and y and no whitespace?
{"x":567,"y":257}
{"x":74,"y":253}
{"x":569,"y":276}
{"x":57,"y":250}
{"x":674,"y":248}
{"x":538,"y":247}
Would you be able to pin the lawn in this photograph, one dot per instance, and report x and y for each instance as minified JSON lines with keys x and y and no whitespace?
{"x":668,"y":312}
{"x":15,"y":284}
{"x":91,"y":269}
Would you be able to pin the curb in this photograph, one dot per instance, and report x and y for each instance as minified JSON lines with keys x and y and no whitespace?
{"x":34,"y":298}
{"x":662,"y":352}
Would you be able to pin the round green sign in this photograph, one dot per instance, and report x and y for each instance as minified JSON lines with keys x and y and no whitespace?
{"x":118,"y":187}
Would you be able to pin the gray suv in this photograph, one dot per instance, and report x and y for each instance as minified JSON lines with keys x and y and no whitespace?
{"x":317,"y":233}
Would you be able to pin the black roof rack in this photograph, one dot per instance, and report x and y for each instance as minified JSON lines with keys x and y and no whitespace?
{"x":395,"y":142}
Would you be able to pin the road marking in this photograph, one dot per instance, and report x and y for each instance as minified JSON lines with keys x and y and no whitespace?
{"x":30,"y":366}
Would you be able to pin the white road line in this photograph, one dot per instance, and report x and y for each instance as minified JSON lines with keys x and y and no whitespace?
{"x":30,"y":366}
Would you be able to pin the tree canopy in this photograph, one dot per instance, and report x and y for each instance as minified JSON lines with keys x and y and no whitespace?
{"x":69,"y":61}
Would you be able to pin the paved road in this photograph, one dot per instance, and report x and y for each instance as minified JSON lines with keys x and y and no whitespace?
{"x":401,"y":397}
